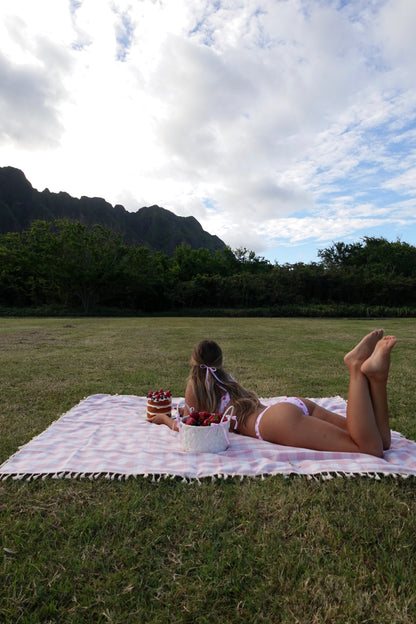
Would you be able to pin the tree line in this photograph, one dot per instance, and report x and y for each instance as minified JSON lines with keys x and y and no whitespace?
{"x":68,"y":264}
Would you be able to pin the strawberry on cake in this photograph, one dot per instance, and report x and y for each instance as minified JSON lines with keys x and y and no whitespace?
{"x":159,"y":402}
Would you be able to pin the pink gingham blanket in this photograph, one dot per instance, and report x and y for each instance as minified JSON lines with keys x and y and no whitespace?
{"x":108,"y":435}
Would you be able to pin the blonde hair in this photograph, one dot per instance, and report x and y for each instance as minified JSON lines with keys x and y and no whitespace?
{"x":209,"y":387}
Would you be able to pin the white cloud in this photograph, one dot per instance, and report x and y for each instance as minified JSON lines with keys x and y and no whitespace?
{"x":29,"y":101}
{"x":317,"y":228}
{"x":395,"y":34}
{"x":32,"y":86}
{"x":255,"y":116}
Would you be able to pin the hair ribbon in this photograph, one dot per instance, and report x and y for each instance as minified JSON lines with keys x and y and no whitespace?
{"x":212,"y":370}
{"x":209,"y":369}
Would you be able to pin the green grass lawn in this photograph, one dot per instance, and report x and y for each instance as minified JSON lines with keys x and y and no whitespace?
{"x":257,"y":550}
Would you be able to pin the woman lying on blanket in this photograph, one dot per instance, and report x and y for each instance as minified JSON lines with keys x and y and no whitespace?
{"x":301,"y":422}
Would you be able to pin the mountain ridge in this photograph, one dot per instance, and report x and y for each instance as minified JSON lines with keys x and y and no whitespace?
{"x":154,"y":227}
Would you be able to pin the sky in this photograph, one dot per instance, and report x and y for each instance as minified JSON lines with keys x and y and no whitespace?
{"x":283,"y":126}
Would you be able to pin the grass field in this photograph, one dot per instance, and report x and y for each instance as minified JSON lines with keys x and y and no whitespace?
{"x":273,"y":550}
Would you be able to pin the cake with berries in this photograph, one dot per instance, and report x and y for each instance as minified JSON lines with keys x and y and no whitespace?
{"x":159,"y":402}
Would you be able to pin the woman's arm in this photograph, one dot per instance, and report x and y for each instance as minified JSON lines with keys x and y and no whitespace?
{"x":164,"y":419}
{"x":190,"y":400}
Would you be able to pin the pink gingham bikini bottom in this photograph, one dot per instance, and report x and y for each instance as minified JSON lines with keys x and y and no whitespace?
{"x":293,"y":400}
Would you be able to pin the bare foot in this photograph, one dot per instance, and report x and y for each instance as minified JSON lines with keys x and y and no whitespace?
{"x":363,"y":349}
{"x":377,"y":365}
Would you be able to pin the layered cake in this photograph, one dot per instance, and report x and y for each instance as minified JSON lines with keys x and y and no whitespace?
{"x":159,"y":402}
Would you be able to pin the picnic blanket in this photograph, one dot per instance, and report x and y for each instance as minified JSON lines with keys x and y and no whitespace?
{"x":108,"y":435}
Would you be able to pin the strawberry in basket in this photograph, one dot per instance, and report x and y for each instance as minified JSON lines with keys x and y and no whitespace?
{"x":203,"y":419}
{"x":209,"y":433}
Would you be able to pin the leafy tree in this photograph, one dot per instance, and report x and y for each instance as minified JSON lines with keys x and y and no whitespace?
{"x":89,"y":265}
{"x":388,"y":257}
{"x":60,"y":261}
{"x":66,"y":262}
{"x":225,"y":262}
{"x":251,"y":263}
{"x":146,"y":279}
{"x":13,"y":276}
{"x":28,"y":264}
{"x":378,"y":254}
{"x":187,"y":263}
{"x":339,"y":255}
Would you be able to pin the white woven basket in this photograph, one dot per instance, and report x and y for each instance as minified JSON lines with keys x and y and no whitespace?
{"x":212,"y":439}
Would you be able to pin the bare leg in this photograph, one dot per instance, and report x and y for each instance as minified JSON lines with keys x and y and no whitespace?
{"x":376,"y":369}
{"x":362,"y":422}
{"x":284,"y":423}
{"x":363,"y":351}
{"x":317,"y":411}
